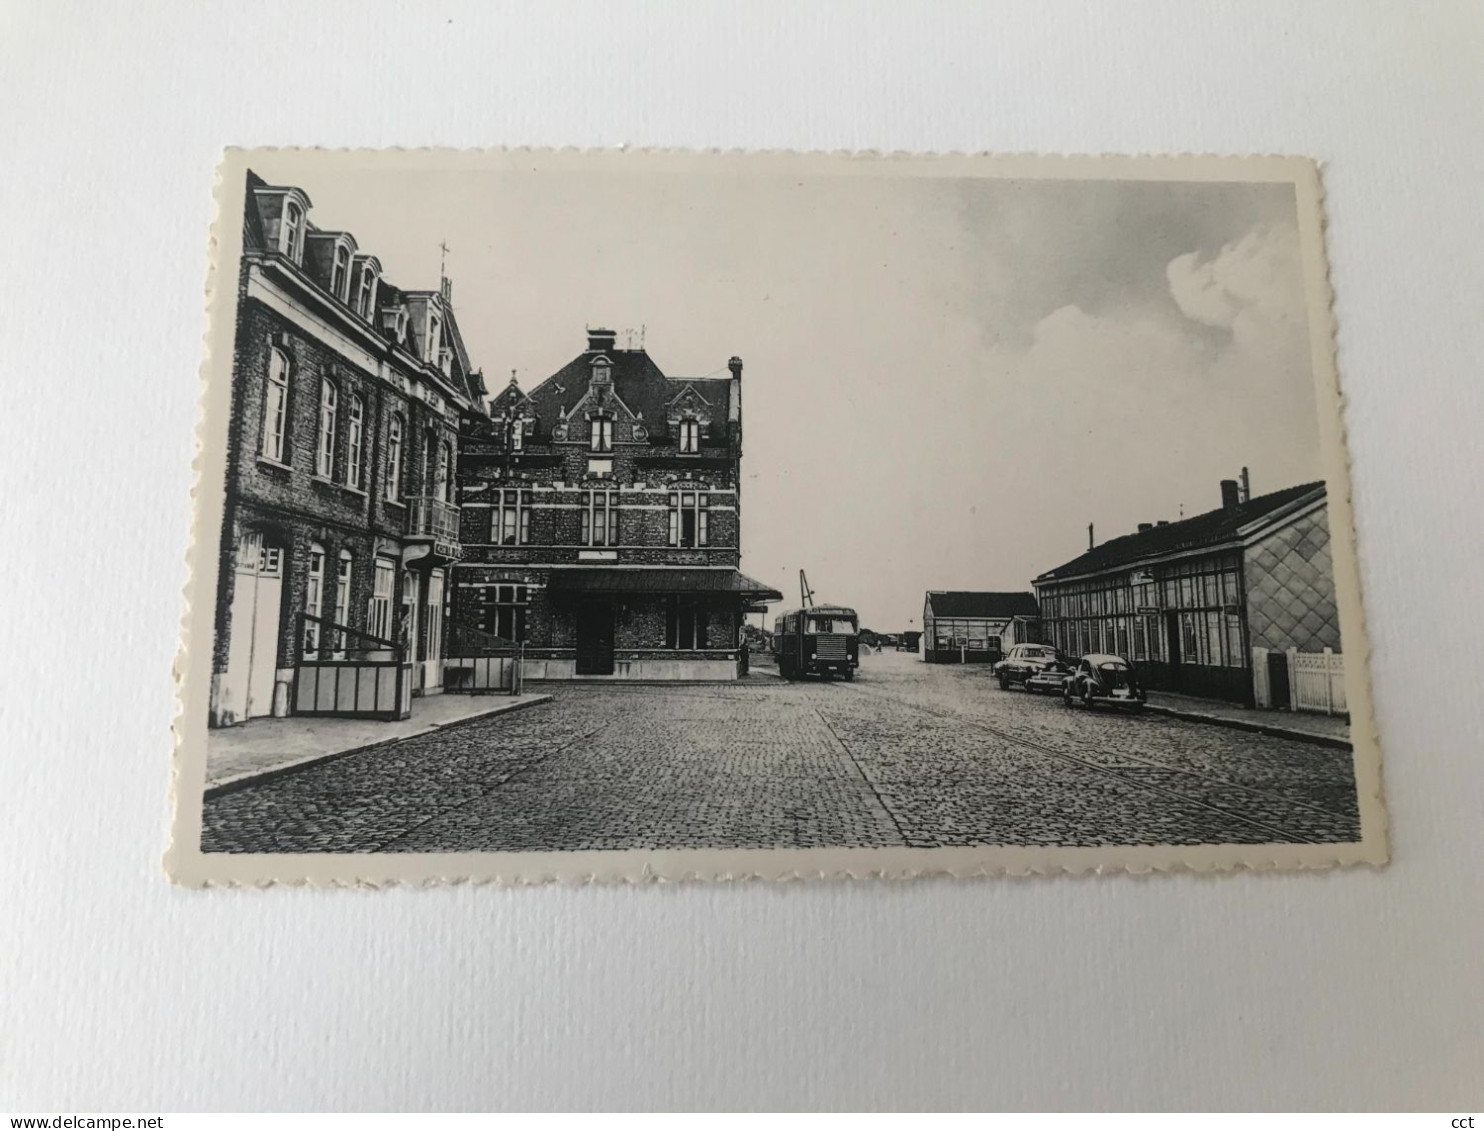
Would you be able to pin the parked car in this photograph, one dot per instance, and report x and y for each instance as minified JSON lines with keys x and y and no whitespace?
{"x":1036,"y":667}
{"x":1101,"y":678}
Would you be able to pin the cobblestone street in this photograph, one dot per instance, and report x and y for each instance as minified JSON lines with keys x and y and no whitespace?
{"x":908,"y":754}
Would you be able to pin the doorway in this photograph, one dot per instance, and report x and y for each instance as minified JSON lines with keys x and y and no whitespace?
{"x":252,"y":654}
{"x":595,"y":638}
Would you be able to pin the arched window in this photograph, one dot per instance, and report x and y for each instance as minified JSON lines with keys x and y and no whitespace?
{"x":314,"y":600}
{"x":291,"y":231}
{"x":343,"y":574}
{"x":329,"y":407}
{"x":340,"y":273}
{"x":275,"y":406}
{"x":394,"y":458}
{"x":355,"y":430}
{"x":366,"y":298}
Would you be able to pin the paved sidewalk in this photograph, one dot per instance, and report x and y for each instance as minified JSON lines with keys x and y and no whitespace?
{"x":235,"y":755}
{"x":1330,"y":730}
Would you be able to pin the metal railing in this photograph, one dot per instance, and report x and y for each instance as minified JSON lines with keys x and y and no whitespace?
{"x":346,"y":673}
{"x":477,"y":662}
{"x":430,"y":517}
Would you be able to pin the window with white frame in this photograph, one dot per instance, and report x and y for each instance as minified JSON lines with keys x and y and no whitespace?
{"x":275,"y":406}
{"x":366,"y":295}
{"x":511,"y":524}
{"x":435,"y":340}
{"x":340,"y":273}
{"x":602,"y":434}
{"x":355,"y":440}
{"x":516,"y":429}
{"x":688,"y":518}
{"x":379,"y":615}
{"x":502,"y":610}
{"x":329,"y":409}
{"x":344,"y":572}
{"x":291,"y":231}
{"x":686,"y":624}
{"x":690,"y":435}
{"x":393,"y":488}
{"x":600,"y":519}
{"x":314,"y":600}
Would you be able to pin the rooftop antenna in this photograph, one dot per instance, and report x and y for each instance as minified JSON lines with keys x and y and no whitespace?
{"x":641,"y":335}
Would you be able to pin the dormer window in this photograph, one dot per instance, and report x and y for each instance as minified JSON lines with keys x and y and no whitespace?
{"x":434,"y":339}
{"x":366,"y":294}
{"x":602,"y":371}
{"x":690,"y":436}
{"x":340,"y":273}
{"x":291,"y":231}
{"x":517,"y":434}
{"x":602,"y":434}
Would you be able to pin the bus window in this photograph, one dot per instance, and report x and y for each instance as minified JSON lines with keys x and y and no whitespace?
{"x":840,"y":625}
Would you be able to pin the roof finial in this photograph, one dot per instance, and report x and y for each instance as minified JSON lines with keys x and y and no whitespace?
{"x":443,"y":259}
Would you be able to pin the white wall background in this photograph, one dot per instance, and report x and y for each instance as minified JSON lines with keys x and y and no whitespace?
{"x":1361,"y":989}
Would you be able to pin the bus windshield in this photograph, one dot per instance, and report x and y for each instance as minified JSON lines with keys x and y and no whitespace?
{"x":817,"y":625}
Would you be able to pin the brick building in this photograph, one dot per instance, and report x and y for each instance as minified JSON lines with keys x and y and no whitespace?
{"x":348,"y":394}
{"x":1191,"y":603}
{"x":976,"y":628}
{"x":601,"y":521}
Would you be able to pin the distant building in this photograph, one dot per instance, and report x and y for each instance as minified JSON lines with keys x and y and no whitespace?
{"x":1191,"y":603}
{"x":601,"y":521}
{"x":348,"y":394}
{"x":968,"y":628}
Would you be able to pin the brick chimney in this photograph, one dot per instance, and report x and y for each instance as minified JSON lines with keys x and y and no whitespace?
{"x":1231,"y":494}
{"x":601,"y":341}
{"x":1143,"y":526}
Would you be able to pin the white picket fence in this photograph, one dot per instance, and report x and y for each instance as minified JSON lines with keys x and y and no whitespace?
{"x":1316,"y":680}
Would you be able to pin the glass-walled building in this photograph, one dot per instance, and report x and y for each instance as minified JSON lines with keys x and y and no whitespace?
{"x":1188,"y":602}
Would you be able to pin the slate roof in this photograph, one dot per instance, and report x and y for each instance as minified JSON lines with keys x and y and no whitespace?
{"x":637,"y":380}
{"x":990,"y":606}
{"x":607,"y":579}
{"x":1210,"y":529}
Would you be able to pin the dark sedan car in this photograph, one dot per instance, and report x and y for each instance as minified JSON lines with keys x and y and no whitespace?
{"x":1101,"y":678}
{"x":1035,"y":667}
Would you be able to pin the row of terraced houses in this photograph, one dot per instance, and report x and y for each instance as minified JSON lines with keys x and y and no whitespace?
{"x":380,"y":506}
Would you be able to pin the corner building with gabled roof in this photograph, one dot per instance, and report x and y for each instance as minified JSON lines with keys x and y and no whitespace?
{"x":601,"y":521}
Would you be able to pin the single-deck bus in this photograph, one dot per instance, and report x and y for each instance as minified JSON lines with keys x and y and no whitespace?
{"x":822,"y":640}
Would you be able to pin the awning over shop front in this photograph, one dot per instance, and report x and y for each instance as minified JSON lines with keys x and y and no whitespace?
{"x":590,"y":579}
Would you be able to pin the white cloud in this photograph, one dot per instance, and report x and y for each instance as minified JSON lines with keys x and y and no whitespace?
{"x":1257,"y":275}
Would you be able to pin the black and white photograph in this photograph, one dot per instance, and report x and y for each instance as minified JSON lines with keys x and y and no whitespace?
{"x":627,"y":514}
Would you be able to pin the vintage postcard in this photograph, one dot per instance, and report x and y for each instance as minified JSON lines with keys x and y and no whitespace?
{"x":633,"y":515}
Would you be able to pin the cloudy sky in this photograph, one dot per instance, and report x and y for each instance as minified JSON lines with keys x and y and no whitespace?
{"x":946,"y":379}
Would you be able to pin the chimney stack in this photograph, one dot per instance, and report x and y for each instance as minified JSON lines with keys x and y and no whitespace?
{"x":1163,"y":522}
{"x":735,"y":365}
{"x":1090,"y":542}
{"x":601,"y":341}
{"x":447,"y":286}
{"x":1143,"y":526}
{"x":1246,"y":486}
{"x":1230,"y":494}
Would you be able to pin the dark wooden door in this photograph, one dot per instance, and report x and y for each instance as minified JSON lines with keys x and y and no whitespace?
{"x":595,"y":638}
{"x":1278,"y":681}
{"x":1172,"y":638}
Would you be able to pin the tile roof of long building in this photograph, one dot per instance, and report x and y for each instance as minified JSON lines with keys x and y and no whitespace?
{"x":1203,"y":530}
{"x":990,"y":606}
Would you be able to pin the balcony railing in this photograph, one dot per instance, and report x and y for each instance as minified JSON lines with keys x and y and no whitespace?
{"x":432,"y":519}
